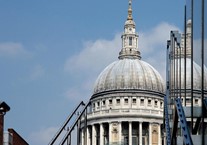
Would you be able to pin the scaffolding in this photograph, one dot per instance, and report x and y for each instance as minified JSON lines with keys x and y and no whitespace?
{"x":186,"y":103}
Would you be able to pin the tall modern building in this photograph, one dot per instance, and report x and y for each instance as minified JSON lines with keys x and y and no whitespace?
{"x":127,"y":102}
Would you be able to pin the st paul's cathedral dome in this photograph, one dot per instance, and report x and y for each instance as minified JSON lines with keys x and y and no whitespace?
{"x":126,"y":107}
{"x":129,"y":72}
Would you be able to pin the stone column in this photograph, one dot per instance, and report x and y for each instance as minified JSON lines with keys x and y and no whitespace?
{"x":82,"y":136}
{"x":88,"y":136}
{"x":130,"y":133}
{"x":101,"y":134}
{"x":164,"y":139}
{"x":159,"y":135}
{"x":150,"y":133}
{"x":93,"y":135}
{"x":140,"y":133}
{"x":110,"y":132}
{"x":120,"y":131}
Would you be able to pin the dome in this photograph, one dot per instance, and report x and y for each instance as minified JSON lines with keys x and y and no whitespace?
{"x":126,"y":74}
{"x":129,"y":74}
{"x":196,"y":75}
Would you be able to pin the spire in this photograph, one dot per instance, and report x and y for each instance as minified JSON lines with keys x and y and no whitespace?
{"x":129,"y":38}
{"x":130,"y":11}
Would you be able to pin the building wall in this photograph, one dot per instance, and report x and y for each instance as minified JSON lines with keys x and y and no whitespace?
{"x":17,"y":139}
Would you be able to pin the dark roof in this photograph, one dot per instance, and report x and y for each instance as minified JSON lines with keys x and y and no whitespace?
{"x":4,"y":107}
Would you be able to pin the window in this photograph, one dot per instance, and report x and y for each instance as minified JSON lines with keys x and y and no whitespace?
{"x":94,"y":105}
{"x":149,"y":102}
{"x":98,"y":105}
{"x":126,"y":101}
{"x":130,"y":41}
{"x":196,"y":101}
{"x":188,"y":101}
{"x":161,"y":104}
{"x":110,"y":102}
{"x":117,"y":101}
{"x":134,"y":101}
{"x":142,"y":101}
{"x":103,"y":102}
{"x":156,"y":103}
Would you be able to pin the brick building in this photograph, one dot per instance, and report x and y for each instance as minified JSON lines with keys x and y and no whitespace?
{"x":13,"y":138}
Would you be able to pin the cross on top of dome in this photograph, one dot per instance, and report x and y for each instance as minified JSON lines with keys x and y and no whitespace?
{"x":130,"y":11}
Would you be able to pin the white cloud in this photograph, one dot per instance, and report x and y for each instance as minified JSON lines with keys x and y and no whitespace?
{"x":11,"y":49}
{"x":153,"y":45}
{"x":37,"y":72}
{"x":197,"y":51}
{"x":45,"y":135}
{"x":155,"y":37}
{"x":89,"y":63}
{"x":42,"y":136}
{"x":95,"y":56}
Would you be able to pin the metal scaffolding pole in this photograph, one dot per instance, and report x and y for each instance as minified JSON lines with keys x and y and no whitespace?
{"x":192,"y":17}
{"x":202,"y":72}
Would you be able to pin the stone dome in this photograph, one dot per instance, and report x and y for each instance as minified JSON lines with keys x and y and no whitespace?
{"x":129,"y":74}
{"x":196,"y":75}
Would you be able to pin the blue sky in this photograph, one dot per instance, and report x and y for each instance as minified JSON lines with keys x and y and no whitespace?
{"x":52,"y":51}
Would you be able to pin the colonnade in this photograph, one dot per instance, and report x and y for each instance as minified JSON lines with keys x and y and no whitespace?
{"x":122,"y":133}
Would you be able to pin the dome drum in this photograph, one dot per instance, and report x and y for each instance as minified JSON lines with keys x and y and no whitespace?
{"x":126,"y":92}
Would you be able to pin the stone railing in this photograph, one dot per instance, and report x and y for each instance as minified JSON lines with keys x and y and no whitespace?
{"x":128,"y":112}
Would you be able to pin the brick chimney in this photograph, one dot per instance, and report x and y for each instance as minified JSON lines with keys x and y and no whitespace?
{"x":3,"y":109}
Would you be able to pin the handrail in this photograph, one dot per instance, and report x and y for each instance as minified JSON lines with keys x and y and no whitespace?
{"x":74,"y":124}
{"x":65,"y":123}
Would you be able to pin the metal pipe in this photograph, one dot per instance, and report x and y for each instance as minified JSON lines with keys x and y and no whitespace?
{"x":73,"y":125}
{"x":176,"y":66}
{"x":192,"y":10}
{"x":180,"y":71}
{"x":64,"y":124}
{"x":173,"y":46}
{"x":185,"y":20}
{"x":202,"y":72}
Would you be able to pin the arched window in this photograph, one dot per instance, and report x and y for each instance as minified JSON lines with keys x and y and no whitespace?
{"x":130,"y":41}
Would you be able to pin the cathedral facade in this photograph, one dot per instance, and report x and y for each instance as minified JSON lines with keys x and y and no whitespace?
{"x":128,"y":99}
